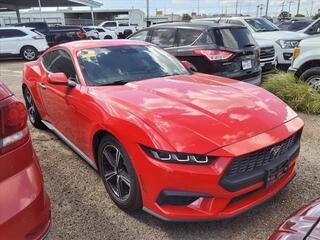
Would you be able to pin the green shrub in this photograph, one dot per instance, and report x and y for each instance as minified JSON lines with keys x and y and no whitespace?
{"x":298,"y":95}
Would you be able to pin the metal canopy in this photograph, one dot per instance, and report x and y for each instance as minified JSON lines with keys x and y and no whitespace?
{"x":9,"y":5}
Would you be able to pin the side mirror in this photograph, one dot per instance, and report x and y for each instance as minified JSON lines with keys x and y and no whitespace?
{"x":60,"y":79}
{"x":189,"y":66}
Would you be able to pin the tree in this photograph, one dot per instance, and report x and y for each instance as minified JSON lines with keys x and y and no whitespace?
{"x":186,"y":17}
{"x":315,"y":17}
{"x":284,"y":15}
{"x":299,"y":15}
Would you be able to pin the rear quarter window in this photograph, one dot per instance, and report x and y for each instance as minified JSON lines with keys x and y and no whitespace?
{"x":164,"y":37}
{"x":186,"y":37}
{"x":233,"y":38}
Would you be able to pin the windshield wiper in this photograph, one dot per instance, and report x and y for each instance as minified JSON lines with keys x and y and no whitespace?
{"x":118,"y":82}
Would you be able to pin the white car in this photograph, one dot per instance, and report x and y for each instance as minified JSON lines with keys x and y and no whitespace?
{"x":306,"y":62}
{"x":97,"y":32}
{"x":262,"y":29}
{"x":268,"y":60}
{"x":122,"y":29}
{"x":22,"y":41}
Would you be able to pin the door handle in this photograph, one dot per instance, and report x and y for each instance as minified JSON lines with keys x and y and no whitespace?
{"x":43,"y":86}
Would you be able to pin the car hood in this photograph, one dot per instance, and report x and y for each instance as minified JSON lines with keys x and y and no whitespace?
{"x":199,"y":112}
{"x":276,"y":35}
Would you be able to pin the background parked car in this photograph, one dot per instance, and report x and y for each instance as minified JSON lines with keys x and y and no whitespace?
{"x":268,"y":61}
{"x":21,"y":41}
{"x":121,"y":29}
{"x":306,"y":63}
{"x":294,"y":25}
{"x":24,"y":204}
{"x":262,"y":29}
{"x":57,"y":34}
{"x":303,"y":224}
{"x":219,"y":49}
{"x":100,"y":32}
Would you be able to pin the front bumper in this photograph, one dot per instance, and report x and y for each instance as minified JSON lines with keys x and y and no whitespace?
{"x":216,"y":202}
{"x":268,"y":65}
{"x":24,"y":204}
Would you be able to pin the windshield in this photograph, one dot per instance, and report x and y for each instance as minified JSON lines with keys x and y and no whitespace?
{"x":121,"y":64}
{"x":261,"y":25}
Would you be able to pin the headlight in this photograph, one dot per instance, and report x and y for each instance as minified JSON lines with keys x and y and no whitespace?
{"x":288,"y":43}
{"x":175,"y":157}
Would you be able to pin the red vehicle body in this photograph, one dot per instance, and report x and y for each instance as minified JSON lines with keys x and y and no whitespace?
{"x":222,"y":119}
{"x":24,"y":204}
{"x":303,"y":224}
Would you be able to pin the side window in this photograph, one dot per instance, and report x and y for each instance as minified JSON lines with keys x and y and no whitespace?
{"x":164,"y":37}
{"x":60,"y":61}
{"x":140,"y":36}
{"x":11,"y":33}
{"x":204,"y":39}
{"x":314,"y":29}
{"x":100,"y":29}
{"x":2,"y":33}
{"x":110,"y":24}
{"x":187,"y":36}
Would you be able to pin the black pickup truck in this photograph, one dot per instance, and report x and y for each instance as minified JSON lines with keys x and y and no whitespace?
{"x":57,"y":34}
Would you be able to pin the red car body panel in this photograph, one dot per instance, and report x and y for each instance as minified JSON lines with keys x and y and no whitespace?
{"x":303,"y":224}
{"x":195,"y":113}
{"x":24,"y":204}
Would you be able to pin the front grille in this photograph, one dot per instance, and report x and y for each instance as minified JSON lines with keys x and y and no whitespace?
{"x":251,"y":168}
{"x":267,"y":52}
{"x":251,"y":161}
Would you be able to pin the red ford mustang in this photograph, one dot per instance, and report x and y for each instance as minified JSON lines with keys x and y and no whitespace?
{"x":180,"y":145}
{"x":24,"y":204}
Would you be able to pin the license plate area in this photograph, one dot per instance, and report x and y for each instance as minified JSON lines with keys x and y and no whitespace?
{"x":246,"y":64}
{"x":276,"y":173}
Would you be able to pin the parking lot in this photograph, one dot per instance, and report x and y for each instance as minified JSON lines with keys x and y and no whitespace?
{"x":81,"y":208}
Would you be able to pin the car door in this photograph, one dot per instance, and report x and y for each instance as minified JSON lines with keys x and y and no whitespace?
{"x":59,"y":100}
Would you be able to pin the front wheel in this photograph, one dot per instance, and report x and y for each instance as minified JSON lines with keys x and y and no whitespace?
{"x":118,"y":174}
{"x":29,"y":53}
{"x":312,"y":78}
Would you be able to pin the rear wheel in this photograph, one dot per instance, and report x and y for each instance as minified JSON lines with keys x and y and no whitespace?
{"x":108,"y":37}
{"x":312,"y":77}
{"x":118,"y":174}
{"x":29,"y":53}
{"x":33,"y":113}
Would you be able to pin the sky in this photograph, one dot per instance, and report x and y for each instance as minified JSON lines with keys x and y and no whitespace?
{"x":215,"y":6}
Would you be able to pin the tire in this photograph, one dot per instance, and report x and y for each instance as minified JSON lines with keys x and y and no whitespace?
{"x":29,"y":53}
{"x":108,"y":37}
{"x":33,"y":112}
{"x":312,"y":77}
{"x":120,"y":180}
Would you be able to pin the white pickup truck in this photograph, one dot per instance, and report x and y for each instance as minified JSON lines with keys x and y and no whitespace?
{"x":122,"y":29}
{"x":306,"y":62}
{"x":262,"y":29}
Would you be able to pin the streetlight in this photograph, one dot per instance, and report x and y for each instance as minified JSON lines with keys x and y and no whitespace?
{"x":148,"y":13}
{"x":267,"y":8}
{"x":39,"y":2}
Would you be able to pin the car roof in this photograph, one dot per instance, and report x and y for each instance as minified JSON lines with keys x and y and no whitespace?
{"x":87,"y":44}
{"x":18,"y":28}
{"x":195,"y":25}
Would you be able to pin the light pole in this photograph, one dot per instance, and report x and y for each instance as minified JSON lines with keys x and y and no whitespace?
{"x":39,"y":2}
{"x":237,"y":4}
{"x":298,"y":10}
{"x":267,"y":8}
{"x":198,"y":7}
{"x":148,"y":13}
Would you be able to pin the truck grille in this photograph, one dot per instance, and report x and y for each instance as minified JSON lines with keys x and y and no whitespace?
{"x":267,"y":52}
{"x":249,"y":169}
